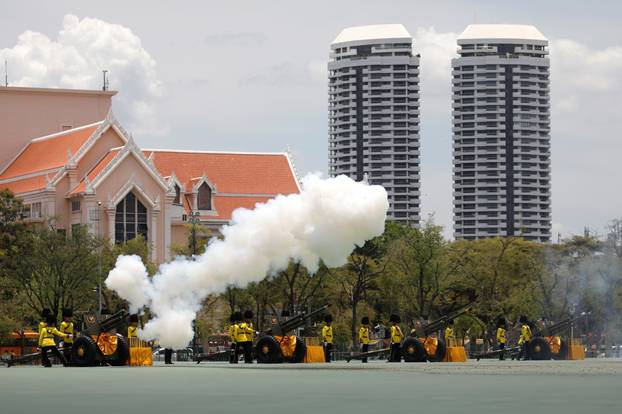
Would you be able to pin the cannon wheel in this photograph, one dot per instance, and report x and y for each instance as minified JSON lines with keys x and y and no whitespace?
{"x":441,"y":350}
{"x":413,"y":350}
{"x":83,"y":352}
{"x":539,"y":349}
{"x":563,"y":351}
{"x":299,"y":352}
{"x":268,"y":351}
{"x":120,"y":356}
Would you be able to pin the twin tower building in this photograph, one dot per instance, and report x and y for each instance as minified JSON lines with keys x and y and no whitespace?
{"x":501,"y":125}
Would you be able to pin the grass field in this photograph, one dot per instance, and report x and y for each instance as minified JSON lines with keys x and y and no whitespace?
{"x":591,"y":386}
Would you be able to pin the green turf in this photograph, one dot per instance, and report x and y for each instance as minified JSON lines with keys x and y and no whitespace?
{"x":487,"y":387}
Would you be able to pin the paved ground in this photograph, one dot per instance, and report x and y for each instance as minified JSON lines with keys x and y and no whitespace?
{"x":591,"y":386}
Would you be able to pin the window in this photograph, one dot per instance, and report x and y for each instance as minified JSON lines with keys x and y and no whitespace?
{"x":35,"y":210}
{"x":130,"y":219}
{"x":75,"y":205}
{"x":204,"y":197}
{"x":177,"y":199}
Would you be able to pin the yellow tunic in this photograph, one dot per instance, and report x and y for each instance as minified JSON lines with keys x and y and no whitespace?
{"x":67,"y":328}
{"x":501,"y":335}
{"x":132,"y":331}
{"x":364,"y":335}
{"x":449,"y":334}
{"x":525,"y":334}
{"x":396,"y":334}
{"x":42,"y":326}
{"x":327,"y":334}
{"x":46,"y":337}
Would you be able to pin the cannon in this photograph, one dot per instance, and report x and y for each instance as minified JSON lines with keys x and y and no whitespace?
{"x":275,"y":346}
{"x":98,"y":344}
{"x":547,"y":342}
{"x":420,"y":346}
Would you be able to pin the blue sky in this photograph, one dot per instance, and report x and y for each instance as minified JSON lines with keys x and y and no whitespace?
{"x":250,"y":76}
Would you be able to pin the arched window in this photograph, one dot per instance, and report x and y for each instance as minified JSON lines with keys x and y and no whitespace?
{"x":204,"y":198}
{"x":177,"y":199}
{"x":130,"y":219}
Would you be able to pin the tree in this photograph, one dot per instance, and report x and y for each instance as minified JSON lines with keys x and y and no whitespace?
{"x":419,"y":256}
{"x":359,"y":276}
{"x":297,"y":287}
{"x":11,"y":225}
{"x":53,"y":271}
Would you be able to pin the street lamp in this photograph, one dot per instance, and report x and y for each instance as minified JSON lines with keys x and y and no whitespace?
{"x":99,"y":263}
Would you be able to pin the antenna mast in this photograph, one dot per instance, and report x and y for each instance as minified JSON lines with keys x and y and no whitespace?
{"x":105,"y":84}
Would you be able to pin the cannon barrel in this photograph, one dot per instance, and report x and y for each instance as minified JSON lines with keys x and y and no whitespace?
{"x":440,"y":323}
{"x":293,"y":323}
{"x":560,"y":326}
{"x":95,"y":326}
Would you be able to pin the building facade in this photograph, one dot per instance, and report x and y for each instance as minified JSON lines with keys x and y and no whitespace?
{"x":374,"y":113}
{"x":96,"y":176}
{"x":501,"y":133}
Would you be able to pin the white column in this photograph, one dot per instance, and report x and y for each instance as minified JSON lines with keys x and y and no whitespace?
{"x":110,"y":213}
{"x":153,"y":234}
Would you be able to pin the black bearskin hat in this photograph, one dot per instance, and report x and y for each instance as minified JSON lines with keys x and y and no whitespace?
{"x":501,"y":322}
{"x":237,"y":316}
{"x":523,"y":319}
{"x":50,"y":320}
{"x":450,"y":322}
{"x":134,"y":318}
{"x":249,"y":314}
{"x":365,"y":320}
{"x":67,"y":313}
{"x":328,"y":318}
{"x":395,"y":319}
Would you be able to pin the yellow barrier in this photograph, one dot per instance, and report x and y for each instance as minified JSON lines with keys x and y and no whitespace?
{"x":576,"y":352}
{"x":141,"y":357}
{"x":141,"y":354}
{"x":455,"y":354}
{"x":315,"y":354}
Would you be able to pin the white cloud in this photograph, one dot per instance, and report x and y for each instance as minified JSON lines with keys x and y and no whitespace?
{"x":76,"y":58}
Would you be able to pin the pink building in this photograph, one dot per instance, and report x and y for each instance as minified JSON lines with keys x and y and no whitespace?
{"x":73,"y":164}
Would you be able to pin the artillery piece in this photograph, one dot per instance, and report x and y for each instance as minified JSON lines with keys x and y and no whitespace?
{"x":547,"y":342}
{"x":420,"y":346}
{"x":276,"y":346}
{"x":98,"y":344}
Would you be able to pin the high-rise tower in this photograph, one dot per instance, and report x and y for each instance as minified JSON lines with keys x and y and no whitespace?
{"x":501,"y":133}
{"x":374,"y":113}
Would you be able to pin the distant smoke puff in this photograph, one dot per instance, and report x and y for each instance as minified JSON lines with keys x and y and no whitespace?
{"x":327,"y":220}
{"x":76,"y":58}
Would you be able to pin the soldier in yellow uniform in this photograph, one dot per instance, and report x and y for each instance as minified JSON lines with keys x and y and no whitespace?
{"x":525,"y":337}
{"x":450,"y":335}
{"x":501,"y":337}
{"x":364,"y":337}
{"x":47,"y":343}
{"x":66,"y":327}
{"x":327,"y":337}
{"x":132,"y":328}
{"x":44,"y":315}
{"x":233,"y":332}
{"x":245,"y":336}
{"x":396,"y":339}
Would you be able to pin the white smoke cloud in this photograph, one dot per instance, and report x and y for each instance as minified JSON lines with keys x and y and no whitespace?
{"x":325,"y":221}
{"x":76,"y":58}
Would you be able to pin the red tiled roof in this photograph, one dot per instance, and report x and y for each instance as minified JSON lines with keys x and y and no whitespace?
{"x":26,"y":185}
{"x":48,"y":153}
{"x":229,"y":172}
{"x":95,"y":171}
{"x":225,"y":205}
